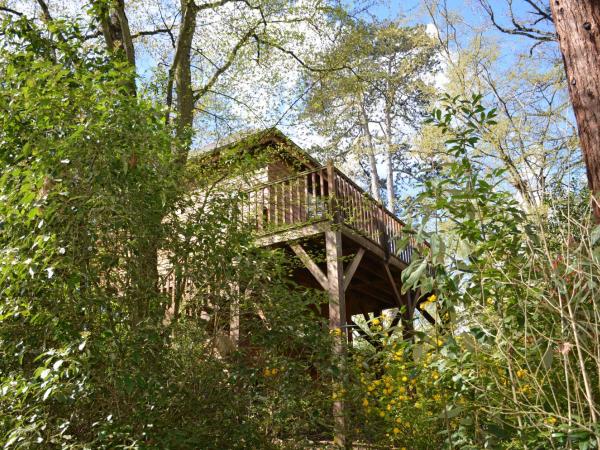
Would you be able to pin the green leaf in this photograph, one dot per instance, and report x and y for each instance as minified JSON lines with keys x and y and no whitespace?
{"x":547,"y":358}
{"x":451,"y":412}
{"x":413,"y":276}
{"x":595,"y":235}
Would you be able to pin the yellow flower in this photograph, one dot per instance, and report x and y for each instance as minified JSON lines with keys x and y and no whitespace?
{"x":550,"y":420}
{"x":525,"y":389}
{"x":376,"y":321}
{"x":490,"y":301}
{"x":381,"y":414}
{"x":405,"y":379}
{"x":432,"y":298}
{"x":365,"y":402}
{"x":403,"y":448}
{"x":266,"y":372}
{"x":336,"y":332}
{"x":274,"y":371}
{"x":396,"y":430}
{"x":521,"y":373}
{"x":440,"y":342}
{"x":398,"y":420}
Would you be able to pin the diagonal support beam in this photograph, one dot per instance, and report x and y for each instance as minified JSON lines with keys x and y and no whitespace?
{"x":426,"y":315}
{"x":351,"y":269}
{"x":424,"y":312}
{"x":311,"y":266}
{"x":397,"y":295}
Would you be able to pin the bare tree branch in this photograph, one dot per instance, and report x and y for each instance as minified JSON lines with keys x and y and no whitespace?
{"x":151,"y":32}
{"x":45,"y":11}
{"x":11,"y":11}
{"x":230,"y":60}
{"x":519,"y":28}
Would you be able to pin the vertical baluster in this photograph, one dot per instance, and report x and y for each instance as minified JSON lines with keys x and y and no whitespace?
{"x":323,"y":199}
{"x":344,"y":199}
{"x":359,"y":215}
{"x":354,"y":205}
{"x":293,"y":189}
{"x":275,"y":205}
{"x":304,"y":204}
{"x":285,"y":188}
{"x":260,"y":194}
{"x":282,"y":195}
{"x":314,"y":194}
{"x":367,"y":223}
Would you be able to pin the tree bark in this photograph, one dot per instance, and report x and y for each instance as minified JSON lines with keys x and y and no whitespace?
{"x":183,"y":79}
{"x":117,"y":35}
{"x":371,"y":153}
{"x":578,"y":27}
{"x":391,"y":195}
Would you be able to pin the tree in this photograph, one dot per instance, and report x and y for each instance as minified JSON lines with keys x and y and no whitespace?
{"x":536,"y":139}
{"x":88,"y":358}
{"x":236,"y":35}
{"x":578,"y":27}
{"x":373,"y":105}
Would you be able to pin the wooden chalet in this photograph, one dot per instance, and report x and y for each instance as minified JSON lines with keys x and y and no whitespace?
{"x":345,"y":240}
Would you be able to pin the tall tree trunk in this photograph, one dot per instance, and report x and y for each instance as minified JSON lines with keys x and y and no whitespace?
{"x":578,"y":27}
{"x":117,"y":35}
{"x":374,"y":178}
{"x":389,"y":181}
{"x":391,"y":195}
{"x":183,"y":79}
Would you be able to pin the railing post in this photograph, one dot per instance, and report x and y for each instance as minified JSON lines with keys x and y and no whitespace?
{"x":332,"y":201}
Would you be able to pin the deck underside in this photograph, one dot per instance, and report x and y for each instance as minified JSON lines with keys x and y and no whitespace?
{"x":369,"y":290}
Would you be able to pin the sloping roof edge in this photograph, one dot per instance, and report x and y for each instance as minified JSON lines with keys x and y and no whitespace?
{"x":257,"y":138}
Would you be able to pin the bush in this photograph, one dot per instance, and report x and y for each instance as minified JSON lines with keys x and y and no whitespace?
{"x":513,"y":359}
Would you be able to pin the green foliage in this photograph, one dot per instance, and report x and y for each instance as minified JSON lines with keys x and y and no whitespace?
{"x":515,"y":303}
{"x":95,"y":216}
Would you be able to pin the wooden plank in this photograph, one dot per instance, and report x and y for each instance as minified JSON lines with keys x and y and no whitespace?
{"x":311,"y":266}
{"x":293,"y":234}
{"x":351,"y":269}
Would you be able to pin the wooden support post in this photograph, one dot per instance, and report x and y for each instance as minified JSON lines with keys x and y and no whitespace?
{"x":337,"y":321}
{"x":234,"y":318}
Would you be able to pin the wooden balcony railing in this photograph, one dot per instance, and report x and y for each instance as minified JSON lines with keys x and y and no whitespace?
{"x":310,"y":196}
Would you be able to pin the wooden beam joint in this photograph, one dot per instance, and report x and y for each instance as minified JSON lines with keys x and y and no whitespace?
{"x":311,"y":266}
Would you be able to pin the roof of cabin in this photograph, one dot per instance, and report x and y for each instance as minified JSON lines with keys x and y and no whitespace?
{"x":254,"y":139}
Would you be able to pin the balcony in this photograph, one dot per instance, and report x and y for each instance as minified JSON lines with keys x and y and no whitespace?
{"x":323,"y":195}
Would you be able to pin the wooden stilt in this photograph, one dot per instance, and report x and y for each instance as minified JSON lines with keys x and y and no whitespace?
{"x":234,"y":318}
{"x":337,"y":322}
